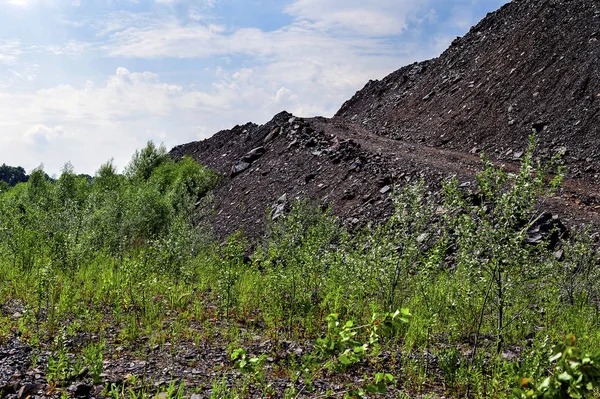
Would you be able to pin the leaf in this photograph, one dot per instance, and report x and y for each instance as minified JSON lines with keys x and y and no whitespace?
{"x":524,"y":382}
{"x":237,"y":353}
{"x":345,"y":360}
{"x":556,"y":357}
{"x":564,"y":376}
{"x":545,"y":384}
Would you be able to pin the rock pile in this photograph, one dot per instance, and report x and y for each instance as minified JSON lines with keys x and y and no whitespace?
{"x":530,"y":66}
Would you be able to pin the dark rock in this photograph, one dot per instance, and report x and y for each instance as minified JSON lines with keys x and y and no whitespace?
{"x":429,"y":96}
{"x":384,"y":181}
{"x":80,"y":390}
{"x":239,"y":168}
{"x":8,"y":389}
{"x":548,"y":228}
{"x":254,"y":154}
{"x":348,"y":195}
{"x":309,"y":177}
{"x":29,"y":390}
{"x":539,"y":126}
{"x":272,"y":135}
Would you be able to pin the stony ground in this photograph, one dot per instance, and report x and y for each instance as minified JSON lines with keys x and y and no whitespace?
{"x":347,"y":167}
{"x":195,"y":364}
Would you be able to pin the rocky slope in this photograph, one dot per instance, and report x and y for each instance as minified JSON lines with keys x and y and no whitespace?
{"x":532,"y":65}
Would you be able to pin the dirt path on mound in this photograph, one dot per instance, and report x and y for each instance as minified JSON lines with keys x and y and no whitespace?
{"x":578,"y":201}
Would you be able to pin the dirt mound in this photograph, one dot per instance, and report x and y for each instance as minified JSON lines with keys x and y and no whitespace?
{"x":530,"y":65}
{"x":533,"y":64}
{"x":286,"y":159}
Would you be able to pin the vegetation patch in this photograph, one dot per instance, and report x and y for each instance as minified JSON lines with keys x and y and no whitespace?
{"x":113,"y":286}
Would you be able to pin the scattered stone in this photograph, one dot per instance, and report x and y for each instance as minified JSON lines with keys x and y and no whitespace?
{"x":355,"y":166}
{"x":559,"y":255}
{"x":429,"y":96}
{"x":80,"y":390}
{"x":29,"y":390}
{"x":422,"y":238}
{"x":278,"y":209}
{"x":546,"y":227}
{"x":271,"y":136}
{"x":562,"y":151}
{"x":239,"y":168}
{"x":254,"y":155}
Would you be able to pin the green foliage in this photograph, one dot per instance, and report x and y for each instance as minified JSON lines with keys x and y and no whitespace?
{"x":296,"y":259}
{"x":126,"y":251}
{"x":93,"y":357}
{"x":145,"y":161}
{"x":574,"y":375}
{"x":12,"y":175}
{"x":490,"y":237}
{"x":63,"y":222}
{"x":346,"y":345}
{"x":342,"y":346}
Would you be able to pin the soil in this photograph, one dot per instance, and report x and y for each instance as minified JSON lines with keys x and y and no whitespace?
{"x":145,"y":367}
{"x":529,"y":67}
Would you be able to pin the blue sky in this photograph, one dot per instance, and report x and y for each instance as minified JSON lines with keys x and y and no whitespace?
{"x":86,"y":81}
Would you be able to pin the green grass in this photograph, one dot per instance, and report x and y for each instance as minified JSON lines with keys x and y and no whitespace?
{"x":118,"y":259}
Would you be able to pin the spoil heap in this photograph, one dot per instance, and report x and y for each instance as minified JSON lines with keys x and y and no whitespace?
{"x":530,"y":66}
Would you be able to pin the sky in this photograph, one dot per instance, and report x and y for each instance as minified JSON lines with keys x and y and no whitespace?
{"x":89,"y":81}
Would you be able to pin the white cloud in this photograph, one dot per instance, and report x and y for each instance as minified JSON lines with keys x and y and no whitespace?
{"x":10,"y":51}
{"x":89,"y":124}
{"x":20,"y":3}
{"x":72,"y":47}
{"x":41,"y":134}
{"x":27,"y":4}
{"x":297,"y":54}
{"x":365,"y":17}
{"x":196,"y":3}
